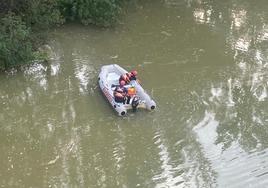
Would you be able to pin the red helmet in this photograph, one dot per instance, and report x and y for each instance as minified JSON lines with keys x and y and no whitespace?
{"x":122,"y":83}
{"x":134,"y":73}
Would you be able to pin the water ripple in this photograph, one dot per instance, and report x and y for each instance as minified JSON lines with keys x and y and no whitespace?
{"x":234,"y":166}
{"x":169,"y":175}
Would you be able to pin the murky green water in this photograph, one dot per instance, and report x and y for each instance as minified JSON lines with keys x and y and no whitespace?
{"x":205,"y":64}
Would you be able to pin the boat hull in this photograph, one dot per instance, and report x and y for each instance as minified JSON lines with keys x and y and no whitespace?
{"x":108,"y":79}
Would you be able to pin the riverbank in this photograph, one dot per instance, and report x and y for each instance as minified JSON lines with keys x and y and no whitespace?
{"x":24,"y":25}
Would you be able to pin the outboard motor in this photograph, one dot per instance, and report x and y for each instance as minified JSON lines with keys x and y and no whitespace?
{"x":135,"y":102}
{"x":150,"y":104}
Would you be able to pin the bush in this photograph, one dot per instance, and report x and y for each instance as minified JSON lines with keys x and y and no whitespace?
{"x":15,"y":43}
{"x":23,"y":22}
{"x":97,"y":12}
{"x":42,"y":14}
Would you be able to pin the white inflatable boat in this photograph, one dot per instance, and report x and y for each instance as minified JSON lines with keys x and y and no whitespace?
{"x":108,"y":80}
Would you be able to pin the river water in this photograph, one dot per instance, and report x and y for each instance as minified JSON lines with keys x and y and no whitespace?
{"x":205,"y":64}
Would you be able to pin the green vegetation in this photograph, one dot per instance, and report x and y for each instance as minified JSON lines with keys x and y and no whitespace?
{"x":23,"y":22}
{"x":15,"y":42}
{"x":98,"y":12}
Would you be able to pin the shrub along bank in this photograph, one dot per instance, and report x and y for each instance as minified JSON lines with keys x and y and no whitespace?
{"x":22,"y":22}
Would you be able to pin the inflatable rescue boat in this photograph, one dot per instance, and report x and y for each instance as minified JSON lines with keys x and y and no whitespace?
{"x":109,"y":79}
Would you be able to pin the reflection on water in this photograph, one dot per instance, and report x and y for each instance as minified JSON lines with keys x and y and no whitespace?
{"x":169,"y":175}
{"x":239,"y":18}
{"x":204,"y":62}
{"x":202,"y":16}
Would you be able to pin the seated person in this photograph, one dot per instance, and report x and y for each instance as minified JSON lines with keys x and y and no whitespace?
{"x":130,"y":95}
{"x":120,"y":92}
{"x":132,"y":75}
{"x":125,"y":78}
{"x":123,"y":94}
{"x":131,"y":91}
{"x":128,"y":76}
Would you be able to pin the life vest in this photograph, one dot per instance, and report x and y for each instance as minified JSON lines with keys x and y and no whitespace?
{"x":132,"y":77}
{"x":119,"y":98}
{"x":131,"y":91}
{"x":119,"y":90}
{"x":119,"y":94}
{"x":125,"y":78}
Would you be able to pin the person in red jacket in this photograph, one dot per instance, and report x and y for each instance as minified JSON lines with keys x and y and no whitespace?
{"x":128,"y":76}
{"x":132,"y":75}
{"x":120,"y":92}
{"x":125,"y":78}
